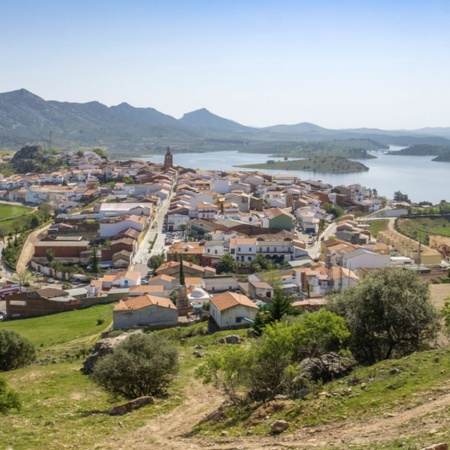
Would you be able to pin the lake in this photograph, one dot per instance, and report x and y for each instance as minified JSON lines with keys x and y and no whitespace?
{"x":417,"y":176}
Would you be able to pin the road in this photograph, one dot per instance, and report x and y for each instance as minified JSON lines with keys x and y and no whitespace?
{"x":314,"y":250}
{"x":141,"y":257}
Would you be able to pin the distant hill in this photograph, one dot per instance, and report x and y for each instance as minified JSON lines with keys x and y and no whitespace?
{"x":27,"y":119}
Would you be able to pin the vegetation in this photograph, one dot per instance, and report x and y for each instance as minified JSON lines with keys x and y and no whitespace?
{"x":420,"y":228}
{"x":324,"y":164}
{"x":227,"y":264}
{"x":400,"y":197}
{"x":422,"y":150}
{"x":270,"y":366}
{"x":9,"y":399}
{"x":141,"y":365}
{"x":7,"y":211}
{"x":376,"y":226}
{"x":155,"y":261}
{"x":389,"y":315}
{"x":15,"y":351}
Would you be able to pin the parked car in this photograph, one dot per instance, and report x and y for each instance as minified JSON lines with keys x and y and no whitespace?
{"x":51,"y":280}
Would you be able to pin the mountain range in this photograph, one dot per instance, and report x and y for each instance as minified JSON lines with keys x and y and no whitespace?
{"x":26,"y":118}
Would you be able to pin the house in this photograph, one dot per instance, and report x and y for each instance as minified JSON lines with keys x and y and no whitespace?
{"x":145,"y":310}
{"x":40,"y":302}
{"x":364,"y":258}
{"x":172,"y":268}
{"x":219,"y":283}
{"x":230,"y":310}
{"x":279,"y":219}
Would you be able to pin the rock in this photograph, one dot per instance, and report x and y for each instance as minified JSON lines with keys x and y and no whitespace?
{"x":394,"y":371}
{"x":279,"y":426}
{"x":326,"y":368}
{"x":129,"y":406}
{"x":102,"y":348}
{"x":198,"y":355}
{"x":231,"y":339}
{"x":199,"y":346}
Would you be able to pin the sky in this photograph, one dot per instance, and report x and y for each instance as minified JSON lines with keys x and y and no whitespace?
{"x":338,"y":64}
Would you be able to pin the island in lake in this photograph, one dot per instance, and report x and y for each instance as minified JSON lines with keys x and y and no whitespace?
{"x":323,"y":164}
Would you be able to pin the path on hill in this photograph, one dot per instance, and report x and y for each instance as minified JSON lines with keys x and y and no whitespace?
{"x":28,"y":248}
{"x":168,"y":431}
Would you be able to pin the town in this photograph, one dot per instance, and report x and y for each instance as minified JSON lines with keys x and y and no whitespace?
{"x":171,"y":245}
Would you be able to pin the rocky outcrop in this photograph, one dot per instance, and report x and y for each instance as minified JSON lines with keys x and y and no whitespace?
{"x":125,"y":408}
{"x":102,"y":348}
{"x":326,"y":368}
{"x":231,"y":339}
{"x":279,"y":426}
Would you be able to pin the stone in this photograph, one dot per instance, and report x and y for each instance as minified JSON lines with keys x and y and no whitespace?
{"x":279,"y":426}
{"x":198,"y":355}
{"x":104,"y":347}
{"x":125,"y":408}
{"x":326,"y":368}
{"x":231,"y":339}
{"x":441,"y":446}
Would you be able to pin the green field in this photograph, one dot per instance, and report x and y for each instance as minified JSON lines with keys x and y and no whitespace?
{"x":7,"y":210}
{"x":421,"y":228}
{"x":376,"y":226}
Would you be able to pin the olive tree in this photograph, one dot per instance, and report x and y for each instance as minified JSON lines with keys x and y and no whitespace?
{"x":15,"y":351}
{"x":389,"y":314}
{"x":144,"y":364}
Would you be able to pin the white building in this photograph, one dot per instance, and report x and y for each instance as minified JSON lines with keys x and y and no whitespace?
{"x":231,"y":309}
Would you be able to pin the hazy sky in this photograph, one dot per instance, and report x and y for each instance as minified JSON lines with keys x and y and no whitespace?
{"x":336,"y":63}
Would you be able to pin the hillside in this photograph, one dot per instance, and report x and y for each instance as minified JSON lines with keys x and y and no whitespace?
{"x":396,"y":403}
{"x":326,"y":164}
{"x":26,"y":118}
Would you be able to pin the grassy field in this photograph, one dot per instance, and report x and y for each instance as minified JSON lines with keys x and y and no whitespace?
{"x":421,"y":228}
{"x":63,"y":408}
{"x":7,"y":211}
{"x":376,"y":226}
{"x":63,"y":328}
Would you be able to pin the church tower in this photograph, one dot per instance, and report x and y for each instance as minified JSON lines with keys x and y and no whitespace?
{"x":183,"y":305}
{"x":168,"y":159}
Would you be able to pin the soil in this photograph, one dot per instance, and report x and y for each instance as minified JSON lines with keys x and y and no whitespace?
{"x":171,"y":431}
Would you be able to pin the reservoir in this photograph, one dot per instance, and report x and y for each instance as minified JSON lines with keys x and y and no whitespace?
{"x":417,"y":176}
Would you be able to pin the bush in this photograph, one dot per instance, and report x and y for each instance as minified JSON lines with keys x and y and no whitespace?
{"x":15,"y":351}
{"x":142,"y":365}
{"x":9,"y":399}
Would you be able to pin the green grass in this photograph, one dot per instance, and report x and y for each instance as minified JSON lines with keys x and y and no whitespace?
{"x":420,"y":228}
{"x":62,"y":328}
{"x":376,"y":226}
{"x":7,"y":211}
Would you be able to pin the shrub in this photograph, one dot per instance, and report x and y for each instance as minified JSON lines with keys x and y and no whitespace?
{"x":9,"y":399}
{"x":141,"y":365}
{"x":15,"y":351}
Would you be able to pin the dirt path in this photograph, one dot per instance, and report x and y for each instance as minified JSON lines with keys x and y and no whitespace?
{"x":169,"y":430}
{"x":166,"y":431}
{"x":28,"y":249}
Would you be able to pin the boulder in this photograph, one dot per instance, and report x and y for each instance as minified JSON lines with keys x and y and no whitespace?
{"x":231,"y":339}
{"x":326,"y":368}
{"x":279,"y":426}
{"x":103,"y":347}
{"x":125,"y":408}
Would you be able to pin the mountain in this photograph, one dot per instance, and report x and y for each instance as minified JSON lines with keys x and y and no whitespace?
{"x":26,"y":118}
{"x":204,"y":119}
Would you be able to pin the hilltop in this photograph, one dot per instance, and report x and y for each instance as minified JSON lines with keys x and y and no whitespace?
{"x":26,"y":118}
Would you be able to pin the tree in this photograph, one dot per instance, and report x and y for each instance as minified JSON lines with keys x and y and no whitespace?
{"x":22,"y":277}
{"x":280,"y":307}
{"x":227,"y":264}
{"x":261,"y":263}
{"x":155,"y":261}
{"x":50,"y":255}
{"x":45,"y":210}
{"x":144,"y":364}
{"x":94,"y":261}
{"x":9,"y":399}
{"x":389,"y":315}
{"x":15,"y":351}
{"x":399,"y":197}
{"x":3,"y":232}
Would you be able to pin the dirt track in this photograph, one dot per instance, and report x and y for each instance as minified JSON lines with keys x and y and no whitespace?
{"x":169,"y":430}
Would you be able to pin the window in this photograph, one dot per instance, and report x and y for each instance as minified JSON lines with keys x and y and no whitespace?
{"x":250,"y":249}
{"x":239,"y":249}
{"x":209,"y":251}
{"x":215,"y":252}
{"x":249,"y":258}
{"x":238,"y":319}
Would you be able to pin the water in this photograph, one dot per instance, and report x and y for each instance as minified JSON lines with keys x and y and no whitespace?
{"x":417,"y":176}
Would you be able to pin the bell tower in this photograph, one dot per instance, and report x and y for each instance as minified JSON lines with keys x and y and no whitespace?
{"x":168,"y":159}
